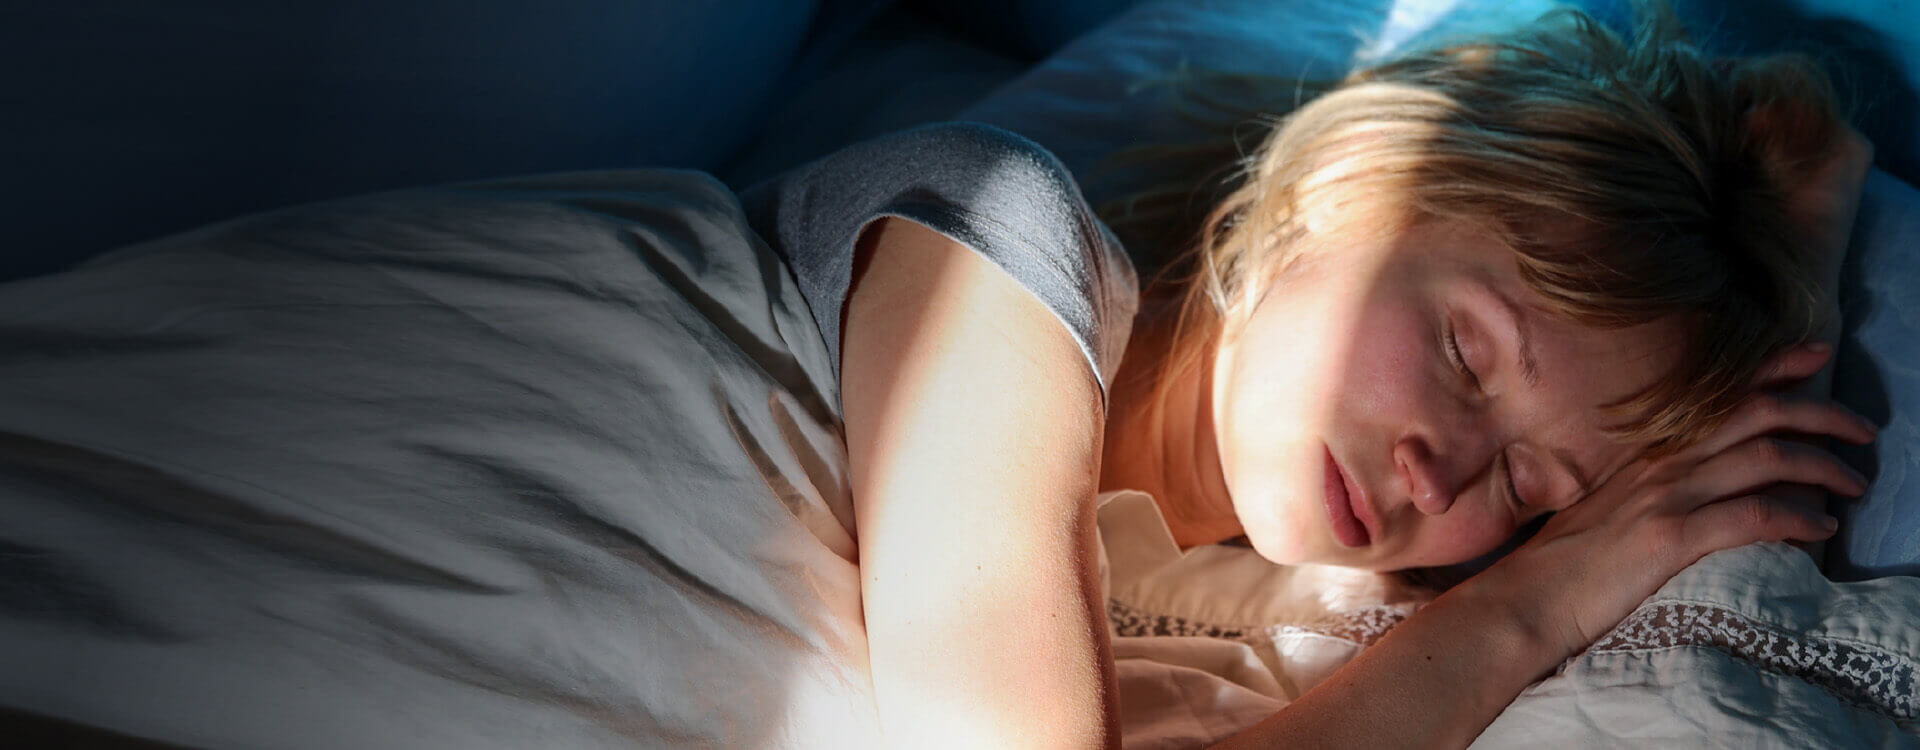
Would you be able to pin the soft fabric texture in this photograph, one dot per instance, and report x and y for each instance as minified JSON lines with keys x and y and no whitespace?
{"x":1114,"y":87}
{"x":986,"y":188}
{"x":402,"y":438}
{"x":1213,"y":639}
{"x":548,"y":462}
{"x":1110,"y":87}
{"x":1878,"y":374}
{"x":1715,"y":661}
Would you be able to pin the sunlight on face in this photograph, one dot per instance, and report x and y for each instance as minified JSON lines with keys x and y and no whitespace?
{"x":1371,"y":408}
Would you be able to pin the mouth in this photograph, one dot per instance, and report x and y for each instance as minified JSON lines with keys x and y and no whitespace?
{"x":1341,"y":506}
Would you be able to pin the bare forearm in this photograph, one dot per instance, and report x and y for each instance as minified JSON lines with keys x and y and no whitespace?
{"x":1437,"y":680}
{"x":973,"y":441}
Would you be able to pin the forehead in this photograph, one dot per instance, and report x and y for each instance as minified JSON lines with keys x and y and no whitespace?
{"x":1586,"y":365}
{"x":1468,"y":262}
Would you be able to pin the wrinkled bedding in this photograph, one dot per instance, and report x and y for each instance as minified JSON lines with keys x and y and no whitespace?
{"x":231,"y":514}
{"x":544,"y":462}
{"x":372,"y":473}
{"x":540,"y":463}
{"x":1749,"y":648}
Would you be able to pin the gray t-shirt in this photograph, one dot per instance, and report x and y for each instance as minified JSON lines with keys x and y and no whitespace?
{"x":989,"y":189}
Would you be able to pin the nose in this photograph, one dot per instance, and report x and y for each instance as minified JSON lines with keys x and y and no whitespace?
{"x":1430,"y":482}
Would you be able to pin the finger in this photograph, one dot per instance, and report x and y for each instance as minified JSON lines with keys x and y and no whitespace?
{"x":1810,"y":495}
{"x":1753,"y":518}
{"x":1793,"y":364}
{"x":1764,"y":413}
{"x":1762,"y":461}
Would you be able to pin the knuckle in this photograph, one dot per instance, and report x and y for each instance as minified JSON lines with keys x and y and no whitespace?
{"x":1757,"y":512}
{"x":1769,"y":452}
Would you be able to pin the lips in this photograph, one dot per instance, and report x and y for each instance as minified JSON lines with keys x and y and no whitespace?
{"x":1347,"y":527}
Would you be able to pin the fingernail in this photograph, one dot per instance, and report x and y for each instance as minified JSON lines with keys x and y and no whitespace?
{"x":1830,"y":523}
{"x":1858,"y":418}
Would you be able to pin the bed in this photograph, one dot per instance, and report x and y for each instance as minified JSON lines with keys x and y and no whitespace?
{"x":438,"y":536}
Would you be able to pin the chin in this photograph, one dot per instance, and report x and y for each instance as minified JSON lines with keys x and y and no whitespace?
{"x":1275,"y":554}
{"x":1278,"y":538}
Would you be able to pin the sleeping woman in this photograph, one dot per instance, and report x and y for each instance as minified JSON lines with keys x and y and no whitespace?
{"x":1557,"y":274}
{"x":625,"y":459}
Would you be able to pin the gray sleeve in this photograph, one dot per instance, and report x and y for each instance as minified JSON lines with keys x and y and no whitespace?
{"x":996,"y":192}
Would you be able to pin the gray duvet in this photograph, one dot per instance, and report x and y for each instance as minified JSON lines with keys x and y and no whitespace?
{"x":545,"y":462}
{"x":542,"y":463}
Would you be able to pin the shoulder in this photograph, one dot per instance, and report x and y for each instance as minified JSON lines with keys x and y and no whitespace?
{"x":931,"y":167}
{"x":994,"y":192}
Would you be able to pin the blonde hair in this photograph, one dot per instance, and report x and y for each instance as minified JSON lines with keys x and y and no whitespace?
{"x":1635,"y":181}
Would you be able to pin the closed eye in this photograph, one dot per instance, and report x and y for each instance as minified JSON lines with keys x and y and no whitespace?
{"x":1453,"y":355}
{"x":1459,"y":361}
{"x":1506,"y":477}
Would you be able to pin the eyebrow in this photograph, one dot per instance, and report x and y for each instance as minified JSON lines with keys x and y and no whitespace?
{"x":1529,"y":366}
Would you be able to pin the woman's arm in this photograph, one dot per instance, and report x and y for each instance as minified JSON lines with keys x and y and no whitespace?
{"x":1434,"y":681}
{"x":973,"y":435}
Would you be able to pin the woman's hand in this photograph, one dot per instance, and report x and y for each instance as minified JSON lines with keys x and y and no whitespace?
{"x":1593,"y":563}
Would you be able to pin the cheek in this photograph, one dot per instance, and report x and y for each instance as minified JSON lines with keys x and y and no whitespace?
{"x":1322,"y":362}
{"x":1315,"y":368}
{"x":1283,"y":517}
{"x":1389,"y":367}
{"x":1273,"y":426}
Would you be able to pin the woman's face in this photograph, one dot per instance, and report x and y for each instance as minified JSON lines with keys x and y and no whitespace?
{"x":1371,"y":408}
